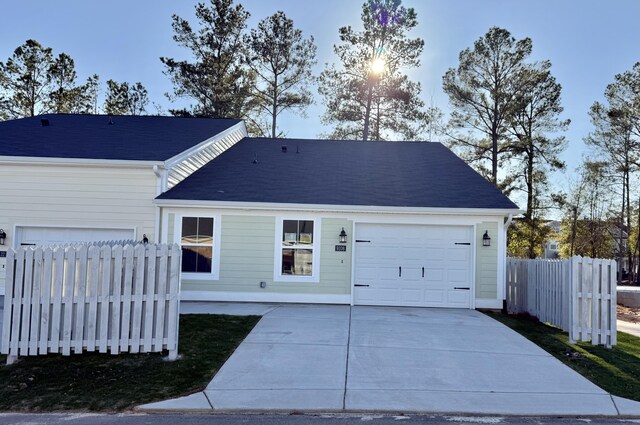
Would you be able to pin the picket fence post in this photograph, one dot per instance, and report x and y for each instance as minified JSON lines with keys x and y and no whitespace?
{"x":91,"y":297}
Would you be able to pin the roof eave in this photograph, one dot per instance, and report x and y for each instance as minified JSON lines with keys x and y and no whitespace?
{"x":76,"y":161}
{"x":178,"y":203}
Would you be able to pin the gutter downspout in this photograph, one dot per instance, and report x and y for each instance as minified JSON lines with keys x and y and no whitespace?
{"x":160,"y":173}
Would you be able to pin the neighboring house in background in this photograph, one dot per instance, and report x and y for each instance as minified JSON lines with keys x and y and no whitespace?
{"x":69,"y":178}
{"x":552,"y":245}
{"x":377,"y":223}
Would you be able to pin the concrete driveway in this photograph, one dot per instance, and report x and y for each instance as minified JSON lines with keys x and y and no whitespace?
{"x":334,"y":358}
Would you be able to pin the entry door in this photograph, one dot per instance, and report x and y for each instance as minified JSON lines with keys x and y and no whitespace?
{"x":407,"y":265}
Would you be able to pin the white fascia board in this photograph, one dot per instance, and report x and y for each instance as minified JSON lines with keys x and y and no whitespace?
{"x":28,"y":160}
{"x":212,"y":140}
{"x":261,"y":206}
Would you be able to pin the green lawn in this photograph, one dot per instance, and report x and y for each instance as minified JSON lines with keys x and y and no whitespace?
{"x":102,"y":382}
{"x":616,"y":370}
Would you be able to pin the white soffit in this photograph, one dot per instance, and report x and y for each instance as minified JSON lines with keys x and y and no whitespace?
{"x":182,"y":166}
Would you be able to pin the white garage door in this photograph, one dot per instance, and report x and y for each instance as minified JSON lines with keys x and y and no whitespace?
{"x":35,"y":235}
{"x":406,"y":265}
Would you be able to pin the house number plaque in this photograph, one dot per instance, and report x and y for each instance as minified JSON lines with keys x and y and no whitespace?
{"x":341,"y":248}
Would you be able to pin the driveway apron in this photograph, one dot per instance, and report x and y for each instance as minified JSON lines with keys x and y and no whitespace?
{"x":304,"y":357}
{"x":295,"y":358}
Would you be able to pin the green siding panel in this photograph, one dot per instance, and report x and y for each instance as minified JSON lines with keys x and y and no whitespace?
{"x":246,"y":253}
{"x":487,"y":262}
{"x":247,"y":245}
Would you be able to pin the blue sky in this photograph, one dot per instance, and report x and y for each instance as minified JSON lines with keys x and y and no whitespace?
{"x":587,"y":41}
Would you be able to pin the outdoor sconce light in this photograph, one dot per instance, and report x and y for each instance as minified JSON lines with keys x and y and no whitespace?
{"x":343,"y":236}
{"x":486,"y":240}
{"x":3,"y":236}
{"x":145,"y":239}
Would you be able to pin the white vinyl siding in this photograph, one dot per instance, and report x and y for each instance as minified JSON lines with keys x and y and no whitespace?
{"x":87,"y":196}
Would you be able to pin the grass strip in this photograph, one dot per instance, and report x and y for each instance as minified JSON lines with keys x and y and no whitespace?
{"x":102,"y":382}
{"x":616,"y":370}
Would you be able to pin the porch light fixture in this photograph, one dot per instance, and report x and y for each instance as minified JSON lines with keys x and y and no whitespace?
{"x":3,"y":236}
{"x":486,"y":240}
{"x":343,"y":236}
{"x":145,"y":239}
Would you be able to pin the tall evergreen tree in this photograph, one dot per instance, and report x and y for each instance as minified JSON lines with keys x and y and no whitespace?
{"x":587,"y":228}
{"x":534,"y":153}
{"x":215,"y":80}
{"x":281,"y":60}
{"x":367,"y":96}
{"x":24,"y":81}
{"x":125,"y":99}
{"x":616,"y":137}
{"x":34,"y":82}
{"x":483,"y":92}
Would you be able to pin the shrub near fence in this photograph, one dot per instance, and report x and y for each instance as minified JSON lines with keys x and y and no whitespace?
{"x":577,"y":295}
{"x":91,"y":297}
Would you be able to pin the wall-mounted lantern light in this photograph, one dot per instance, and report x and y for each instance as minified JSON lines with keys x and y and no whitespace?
{"x":145,"y":239}
{"x":343,"y":236}
{"x":3,"y":236}
{"x":486,"y":240}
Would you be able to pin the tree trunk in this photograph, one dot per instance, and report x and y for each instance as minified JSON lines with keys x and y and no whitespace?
{"x":274,"y":107}
{"x":619,"y":254}
{"x":529,"y":213}
{"x":367,"y":112}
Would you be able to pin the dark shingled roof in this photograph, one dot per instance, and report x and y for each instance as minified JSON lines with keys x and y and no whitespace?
{"x":398,"y":174}
{"x":141,"y":138}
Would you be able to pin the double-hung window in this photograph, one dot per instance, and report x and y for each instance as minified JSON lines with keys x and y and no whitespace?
{"x":297,"y":250}
{"x":197,"y":245}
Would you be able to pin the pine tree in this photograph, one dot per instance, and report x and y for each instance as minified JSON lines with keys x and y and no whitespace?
{"x":216,"y":80}
{"x":367,"y":96}
{"x":24,"y":81}
{"x":281,"y":60}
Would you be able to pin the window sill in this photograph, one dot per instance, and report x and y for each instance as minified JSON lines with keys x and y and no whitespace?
{"x":296,"y":279}
{"x":198,"y":276}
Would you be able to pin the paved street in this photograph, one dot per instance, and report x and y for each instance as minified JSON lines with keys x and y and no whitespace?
{"x":320,"y":419}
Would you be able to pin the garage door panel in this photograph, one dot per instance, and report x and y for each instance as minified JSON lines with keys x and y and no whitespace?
{"x":458,"y":297}
{"x":434,"y":254}
{"x":457,"y":254}
{"x":434,"y":296}
{"x":431,"y":275}
{"x":41,"y":235}
{"x":411,"y":295}
{"x":457,"y":276}
{"x":432,"y":265}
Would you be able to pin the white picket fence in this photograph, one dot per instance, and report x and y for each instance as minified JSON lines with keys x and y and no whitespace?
{"x":577,"y":295}
{"x":94,"y":297}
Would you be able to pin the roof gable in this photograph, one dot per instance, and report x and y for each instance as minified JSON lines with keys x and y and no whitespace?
{"x":121,"y":137}
{"x":394,"y":174}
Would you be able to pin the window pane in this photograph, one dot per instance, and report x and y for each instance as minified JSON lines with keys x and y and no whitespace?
{"x":289,"y":232}
{"x":196,"y":259}
{"x":297,"y":262}
{"x":306,"y":232}
{"x":189,"y":229}
{"x":205,"y":230}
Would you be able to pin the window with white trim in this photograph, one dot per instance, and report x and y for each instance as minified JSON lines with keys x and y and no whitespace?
{"x":197,"y":244}
{"x":297,"y":245}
